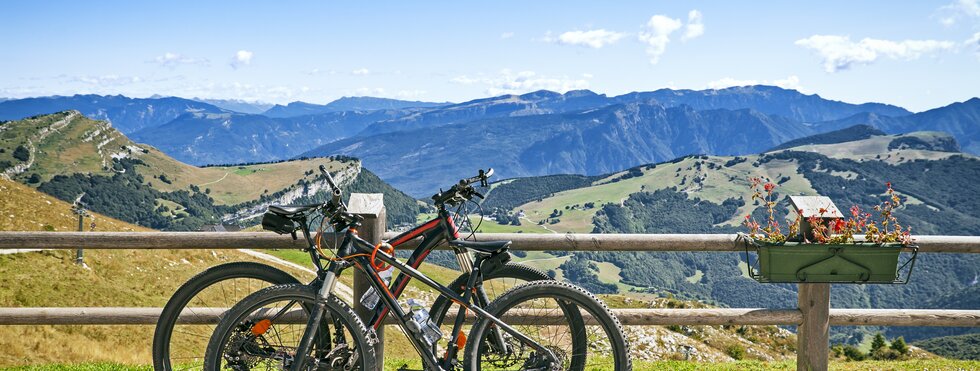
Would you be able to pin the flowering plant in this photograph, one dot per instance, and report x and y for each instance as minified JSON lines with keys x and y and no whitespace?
{"x":883,"y":229}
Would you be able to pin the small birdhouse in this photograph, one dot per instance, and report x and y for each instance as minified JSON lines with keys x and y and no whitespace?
{"x":814,"y":206}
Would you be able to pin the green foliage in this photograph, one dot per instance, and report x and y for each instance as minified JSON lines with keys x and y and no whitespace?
{"x":34,"y":179}
{"x":958,"y":347}
{"x":735,"y":351}
{"x":665,"y":211}
{"x":852,"y":353}
{"x":520,"y":191}
{"x":125,"y":197}
{"x":582,"y":273}
{"x":878,"y":342}
{"x":22,"y":153}
{"x":900,"y":346}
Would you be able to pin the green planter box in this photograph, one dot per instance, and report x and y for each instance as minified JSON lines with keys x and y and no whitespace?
{"x":815,"y":263}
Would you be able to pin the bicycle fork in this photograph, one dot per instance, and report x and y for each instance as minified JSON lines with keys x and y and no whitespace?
{"x":316,"y":316}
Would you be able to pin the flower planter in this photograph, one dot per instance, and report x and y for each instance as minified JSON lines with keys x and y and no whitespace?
{"x":793,"y":262}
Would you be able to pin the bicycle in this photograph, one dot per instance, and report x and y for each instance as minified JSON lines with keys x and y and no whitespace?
{"x":175,"y":345}
{"x":252,"y":333}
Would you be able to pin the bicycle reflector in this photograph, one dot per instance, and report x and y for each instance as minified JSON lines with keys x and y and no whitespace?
{"x":261,"y":327}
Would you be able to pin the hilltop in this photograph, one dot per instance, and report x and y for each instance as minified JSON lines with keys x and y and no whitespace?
{"x":65,"y":154}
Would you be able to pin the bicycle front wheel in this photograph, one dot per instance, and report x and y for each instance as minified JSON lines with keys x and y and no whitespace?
{"x":604,"y":346}
{"x":263,"y":331}
{"x":180,"y":346}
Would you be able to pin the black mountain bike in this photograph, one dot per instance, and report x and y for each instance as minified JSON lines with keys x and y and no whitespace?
{"x":306,"y":327}
{"x":180,"y":345}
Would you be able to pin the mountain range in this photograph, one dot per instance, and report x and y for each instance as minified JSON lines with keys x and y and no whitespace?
{"x":419,"y":145}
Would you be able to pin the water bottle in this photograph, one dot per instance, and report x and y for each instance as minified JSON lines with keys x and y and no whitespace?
{"x":370,"y":298}
{"x":420,"y":323}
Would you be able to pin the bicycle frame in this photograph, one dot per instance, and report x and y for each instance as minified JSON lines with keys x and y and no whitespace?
{"x":433,"y":232}
{"x":357,"y":245}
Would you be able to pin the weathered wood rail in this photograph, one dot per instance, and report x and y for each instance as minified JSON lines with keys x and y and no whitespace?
{"x":813,"y":317}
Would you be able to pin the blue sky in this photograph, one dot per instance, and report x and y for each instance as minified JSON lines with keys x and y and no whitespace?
{"x":919,"y":55}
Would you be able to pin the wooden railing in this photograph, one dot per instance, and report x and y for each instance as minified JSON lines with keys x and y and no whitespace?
{"x":813,"y":317}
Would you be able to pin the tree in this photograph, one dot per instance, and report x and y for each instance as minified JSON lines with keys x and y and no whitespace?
{"x":21,"y":153}
{"x":34,"y":179}
{"x":900,"y":346}
{"x":878,"y":342}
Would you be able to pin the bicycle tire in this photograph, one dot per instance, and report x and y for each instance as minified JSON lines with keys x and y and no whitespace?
{"x":337,"y":311}
{"x":163,"y":333}
{"x":440,"y":307}
{"x":561,"y":292}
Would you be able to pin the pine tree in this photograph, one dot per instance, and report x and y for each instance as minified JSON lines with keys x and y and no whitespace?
{"x":900,"y":346}
{"x":878,"y":342}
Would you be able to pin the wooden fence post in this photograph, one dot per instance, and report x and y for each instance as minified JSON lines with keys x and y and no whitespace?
{"x":371,"y":207}
{"x":813,"y":334}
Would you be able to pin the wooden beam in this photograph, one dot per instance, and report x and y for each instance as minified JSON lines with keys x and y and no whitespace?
{"x":522,"y":241}
{"x":629,"y":317}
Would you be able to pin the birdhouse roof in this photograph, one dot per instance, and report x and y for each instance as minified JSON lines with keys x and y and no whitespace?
{"x":813,"y":205}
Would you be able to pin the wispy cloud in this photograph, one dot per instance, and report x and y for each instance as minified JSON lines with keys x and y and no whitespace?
{"x":509,"y":82}
{"x":506,"y":35}
{"x":957,"y":10}
{"x":840,"y":53}
{"x":171,"y":60}
{"x":593,"y":38}
{"x":790,"y":82}
{"x":974,"y":43}
{"x":107,"y":80}
{"x":241,"y":59}
{"x":361,"y":72}
{"x":694,"y":27}
{"x":656,"y":35}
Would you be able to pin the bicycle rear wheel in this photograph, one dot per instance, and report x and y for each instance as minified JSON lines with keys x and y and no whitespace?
{"x":180,"y":346}
{"x":598,"y":344}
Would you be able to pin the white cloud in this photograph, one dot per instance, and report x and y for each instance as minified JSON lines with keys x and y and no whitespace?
{"x":951,"y":13}
{"x":974,"y":43}
{"x":506,"y":35}
{"x":172,"y":60}
{"x":593,"y":38}
{"x":241,"y":59}
{"x":360,"y":72}
{"x":656,"y":35}
{"x":790,"y":82}
{"x":107,"y":80}
{"x":840,"y":53}
{"x":694,"y":27}
{"x":509,"y":82}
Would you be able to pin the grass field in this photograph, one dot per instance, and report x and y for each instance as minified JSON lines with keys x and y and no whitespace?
{"x":391,"y":364}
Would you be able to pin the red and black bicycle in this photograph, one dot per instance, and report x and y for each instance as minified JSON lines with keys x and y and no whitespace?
{"x":307,"y":327}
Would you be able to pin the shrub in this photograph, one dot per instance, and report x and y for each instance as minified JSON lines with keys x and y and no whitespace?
{"x":735,"y":351}
{"x":21,"y":153}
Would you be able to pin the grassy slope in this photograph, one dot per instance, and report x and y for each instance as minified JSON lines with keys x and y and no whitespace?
{"x":717,"y":184}
{"x":113,"y":278}
{"x":87,"y":146}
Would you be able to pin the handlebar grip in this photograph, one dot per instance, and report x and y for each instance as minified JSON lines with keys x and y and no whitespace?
{"x":478,"y":194}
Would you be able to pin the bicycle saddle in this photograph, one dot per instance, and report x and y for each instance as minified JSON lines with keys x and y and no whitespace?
{"x":486,"y":247}
{"x":288,"y":210}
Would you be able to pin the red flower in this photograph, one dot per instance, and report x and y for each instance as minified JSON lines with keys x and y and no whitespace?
{"x":839,"y":225}
{"x":855,"y":211}
{"x":769,"y":187}
{"x":822,"y":211}
{"x":888,"y":184}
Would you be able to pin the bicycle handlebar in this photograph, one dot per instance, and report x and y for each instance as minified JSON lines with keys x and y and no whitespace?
{"x":463,"y":189}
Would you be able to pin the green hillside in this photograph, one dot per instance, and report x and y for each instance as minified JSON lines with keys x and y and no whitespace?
{"x":710,"y":194}
{"x":65,"y":154}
